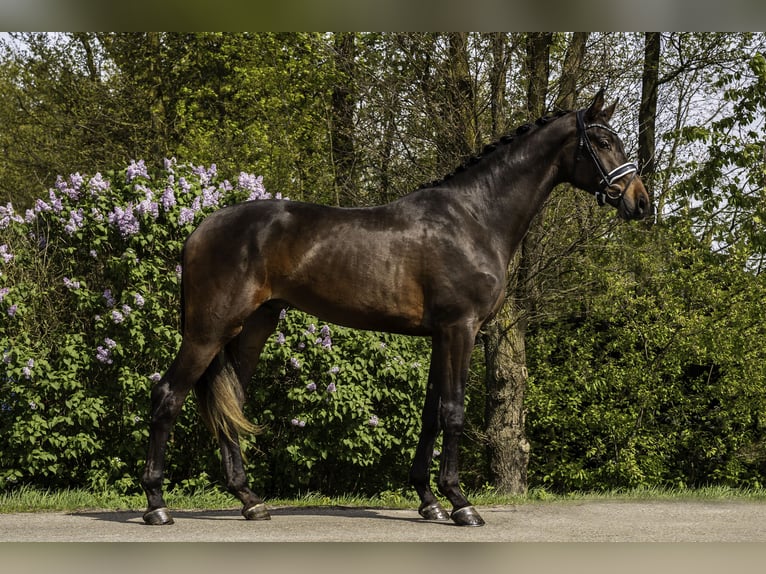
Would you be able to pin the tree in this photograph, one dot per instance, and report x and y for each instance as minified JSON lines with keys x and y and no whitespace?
{"x":648,"y":111}
{"x":504,"y":338}
{"x":342,"y":131}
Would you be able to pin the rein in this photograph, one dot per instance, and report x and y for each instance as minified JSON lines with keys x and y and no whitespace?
{"x":608,"y":179}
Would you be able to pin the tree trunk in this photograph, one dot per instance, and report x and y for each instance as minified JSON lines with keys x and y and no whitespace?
{"x":573,"y":61}
{"x":504,"y":338}
{"x":461,"y":97}
{"x":497,"y":78}
{"x":648,"y":110}
{"x":506,"y":382}
{"x":343,"y":120}
{"x":156,"y":97}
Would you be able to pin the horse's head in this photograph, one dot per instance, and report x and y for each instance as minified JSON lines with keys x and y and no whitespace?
{"x":601,"y":167}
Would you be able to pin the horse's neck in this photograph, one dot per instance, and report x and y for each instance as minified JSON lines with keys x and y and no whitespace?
{"x":515,"y":190}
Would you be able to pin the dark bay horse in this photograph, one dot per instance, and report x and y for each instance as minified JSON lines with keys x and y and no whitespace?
{"x":432,"y":263}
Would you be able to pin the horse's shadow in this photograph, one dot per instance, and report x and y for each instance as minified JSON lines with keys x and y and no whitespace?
{"x":132,"y":517}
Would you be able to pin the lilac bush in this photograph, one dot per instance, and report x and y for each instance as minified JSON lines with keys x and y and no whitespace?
{"x":89,"y":301}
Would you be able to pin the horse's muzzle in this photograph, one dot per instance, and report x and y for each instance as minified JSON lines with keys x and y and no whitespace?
{"x":635,"y":202}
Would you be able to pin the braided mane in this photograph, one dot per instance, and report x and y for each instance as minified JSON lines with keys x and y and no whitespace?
{"x":494,"y":146}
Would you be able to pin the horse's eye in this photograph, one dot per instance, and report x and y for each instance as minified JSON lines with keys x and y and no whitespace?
{"x":603,"y":143}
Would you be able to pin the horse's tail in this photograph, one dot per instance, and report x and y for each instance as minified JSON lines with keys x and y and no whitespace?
{"x":221,"y":396}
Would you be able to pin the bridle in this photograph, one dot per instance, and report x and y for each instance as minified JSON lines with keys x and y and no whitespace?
{"x":607,"y":185}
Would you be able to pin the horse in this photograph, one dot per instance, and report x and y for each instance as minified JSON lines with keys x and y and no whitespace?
{"x":431,"y":263}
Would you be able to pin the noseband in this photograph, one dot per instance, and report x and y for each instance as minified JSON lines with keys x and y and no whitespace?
{"x":607,"y":187}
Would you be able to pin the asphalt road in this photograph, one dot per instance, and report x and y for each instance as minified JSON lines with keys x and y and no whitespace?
{"x":733,"y":533}
{"x":610,"y":521}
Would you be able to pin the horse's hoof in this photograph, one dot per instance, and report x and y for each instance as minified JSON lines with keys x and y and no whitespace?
{"x":158,"y":517}
{"x":467,"y":516}
{"x":433,"y":511}
{"x":256,"y":512}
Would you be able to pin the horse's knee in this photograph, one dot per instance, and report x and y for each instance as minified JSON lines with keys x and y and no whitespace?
{"x":452,"y":418}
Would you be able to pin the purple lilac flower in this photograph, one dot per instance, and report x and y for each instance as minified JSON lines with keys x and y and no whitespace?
{"x":103,"y":355}
{"x":185,"y":216}
{"x":125,"y":220}
{"x":72,"y":284}
{"x":136,"y":169}
{"x":210,"y":197}
{"x":298,"y":423}
{"x":30,"y":215}
{"x":76,"y":180}
{"x":148,"y":206}
{"x":76,"y":221}
{"x":325,"y":340}
{"x":12,"y":310}
{"x":41,"y":206}
{"x":3,"y":292}
{"x":179,"y":271}
{"x":282,"y":314}
{"x":311,"y":387}
{"x":93,"y":253}
{"x":5,"y":253}
{"x":72,"y":192}
{"x":155,"y":377}
{"x":7,"y":214}
{"x":117,"y":317}
{"x":139,"y":300}
{"x":334,"y":370}
{"x":56,"y":204}
{"x":331,"y":388}
{"x":205,"y":175}
{"x":295,"y":363}
{"x":373,"y":422}
{"x":254,"y":185}
{"x":281,"y":338}
{"x":109,"y":298}
{"x":185,"y":187}
{"x":97,"y":184}
{"x":126,"y":310}
{"x":170,"y":164}
{"x":168,"y":199}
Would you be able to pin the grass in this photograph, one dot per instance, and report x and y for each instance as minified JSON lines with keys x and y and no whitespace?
{"x":26,"y":499}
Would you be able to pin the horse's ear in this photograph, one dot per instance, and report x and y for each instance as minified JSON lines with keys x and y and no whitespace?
{"x":595,"y":107}
{"x":607,"y":113}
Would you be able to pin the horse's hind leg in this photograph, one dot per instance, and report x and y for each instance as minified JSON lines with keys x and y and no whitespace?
{"x":167,"y":399}
{"x":245,"y":350}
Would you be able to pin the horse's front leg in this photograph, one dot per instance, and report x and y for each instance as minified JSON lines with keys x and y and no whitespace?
{"x":453,"y":350}
{"x":430,"y":509}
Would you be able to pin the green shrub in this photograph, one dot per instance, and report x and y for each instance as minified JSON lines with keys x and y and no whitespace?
{"x":89,"y":306}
